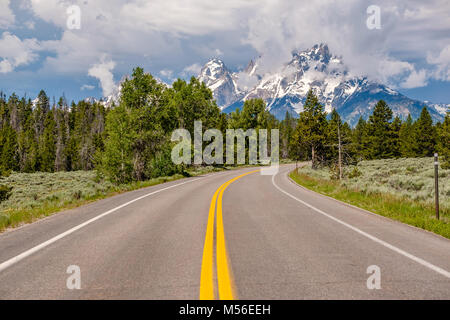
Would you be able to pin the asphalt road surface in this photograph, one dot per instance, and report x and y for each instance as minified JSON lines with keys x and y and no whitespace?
{"x":228,"y":235}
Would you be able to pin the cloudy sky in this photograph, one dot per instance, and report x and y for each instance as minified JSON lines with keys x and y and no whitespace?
{"x":41,"y":46}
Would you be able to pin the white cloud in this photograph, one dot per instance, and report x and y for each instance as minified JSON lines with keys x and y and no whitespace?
{"x":193,"y":69}
{"x":14,"y":52}
{"x":246,"y":81}
{"x":6,"y":66}
{"x":153,"y":33}
{"x":166,"y":73}
{"x":7,"y":17}
{"x":87,"y":87}
{"x":415,"y":79}
{"x":408,"y":30}
{"x":30,"y":25}
{"x":186,"y":17}
{"x":442,"y":63}
{"x":103,"y":72}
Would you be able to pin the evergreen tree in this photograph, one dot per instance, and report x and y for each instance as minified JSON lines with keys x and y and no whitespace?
{"x":339,"y":135}
{"x":425,"y":135}
{"x":311,"y":130}
{"x":47,"y":150}
{"x":287,"y":128}
{"x":379,"y":131}
{"x":394,"y":138}
{"x":360,"y":140}
{"x":443,"y":142}
{"x":407,"y":138}
{"x":8,"y":149}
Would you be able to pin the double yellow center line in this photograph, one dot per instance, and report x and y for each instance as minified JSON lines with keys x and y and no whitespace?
{"x":224,"y":277}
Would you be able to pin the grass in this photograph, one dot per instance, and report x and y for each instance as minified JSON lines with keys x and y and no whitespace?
{"x":37,"y":195}
{"x":383,"y":187}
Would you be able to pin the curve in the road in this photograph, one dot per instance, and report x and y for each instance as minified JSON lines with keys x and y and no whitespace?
{"x":427,"y":264}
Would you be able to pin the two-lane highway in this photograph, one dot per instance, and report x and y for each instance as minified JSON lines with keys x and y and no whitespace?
{"x":235,"y":234}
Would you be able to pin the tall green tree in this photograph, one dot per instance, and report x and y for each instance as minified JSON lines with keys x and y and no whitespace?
{"x":310,"y":133}
{"x":8,"y":149}
{"x":361,"y":140}
{"x":379,"y":132}
{"x":117,"y":159}
{"x":47,"y":142}
{"x":287,"y":128}
{"x":443,"y":142}
{"x":407,"y":138}
{"x":394,"y":138}
{"x":425,"y":134}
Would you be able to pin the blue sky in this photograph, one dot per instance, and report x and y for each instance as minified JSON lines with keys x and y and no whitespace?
{"x":173,"y":38}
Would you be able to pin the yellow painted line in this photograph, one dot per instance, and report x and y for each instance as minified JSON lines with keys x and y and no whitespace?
{"x":224,"y":276}
{"x":206,"y":278}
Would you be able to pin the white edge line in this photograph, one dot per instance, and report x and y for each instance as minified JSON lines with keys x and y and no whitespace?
{"x":29,"y":252}
{"x":437,"y":269}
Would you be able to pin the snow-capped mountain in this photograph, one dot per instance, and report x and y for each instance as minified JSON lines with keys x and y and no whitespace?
{"x":285,"y":90}
{"x":221,"y":82}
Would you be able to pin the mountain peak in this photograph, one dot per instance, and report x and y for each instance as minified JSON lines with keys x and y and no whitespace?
{"x":315,"y":68}
{"x":220,"y":80}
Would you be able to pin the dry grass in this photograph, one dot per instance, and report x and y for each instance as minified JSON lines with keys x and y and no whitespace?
{"x":401,"y":189}
{"x":36,"y":195}
{"x":410,"y":178}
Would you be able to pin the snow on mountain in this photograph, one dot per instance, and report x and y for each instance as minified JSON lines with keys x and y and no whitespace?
{"x":285,"y":90}
{"x":442,"y":108}
{"x":221,"y":82}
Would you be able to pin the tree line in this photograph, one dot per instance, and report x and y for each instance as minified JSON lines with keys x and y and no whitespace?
{"x":319,"y":137}
{"x":131,"y":140}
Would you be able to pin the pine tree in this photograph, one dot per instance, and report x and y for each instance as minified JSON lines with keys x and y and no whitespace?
{"x":360,"y":140}
{"x":47,"y":144}
{"x":425,"y":134}
{"x":378,"y":130}
{"x":443,"y":142}
{"x":407,"y":138}
{"x":311,"y":127}
{"x":61,"y":120}
{"x":287,"y":128}
{"x":394,"y":138}
{"x":8,"y":149}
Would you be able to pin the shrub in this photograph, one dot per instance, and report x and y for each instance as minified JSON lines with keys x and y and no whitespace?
{"x":5,"y":192}
{"x":354,"y":173}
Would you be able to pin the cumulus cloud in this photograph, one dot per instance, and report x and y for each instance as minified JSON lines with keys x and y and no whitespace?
{"x":14,"y":52}
{"x":415,"y":79}
{"x":166,"y":73}
{"x":246,"y":81}
{"x":186,"y":17}
{"x":193,"y":69}
{"x":411,"y":46}
{"x":7,"y":17}
{"x":442,"y":63}
{"x":408,"y":30}
{"x":103,"y":72}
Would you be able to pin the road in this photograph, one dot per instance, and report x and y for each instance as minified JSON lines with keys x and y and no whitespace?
{"x":230,"y":235}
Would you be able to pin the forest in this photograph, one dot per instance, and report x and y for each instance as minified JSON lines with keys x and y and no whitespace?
{"x":130,"y":141}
